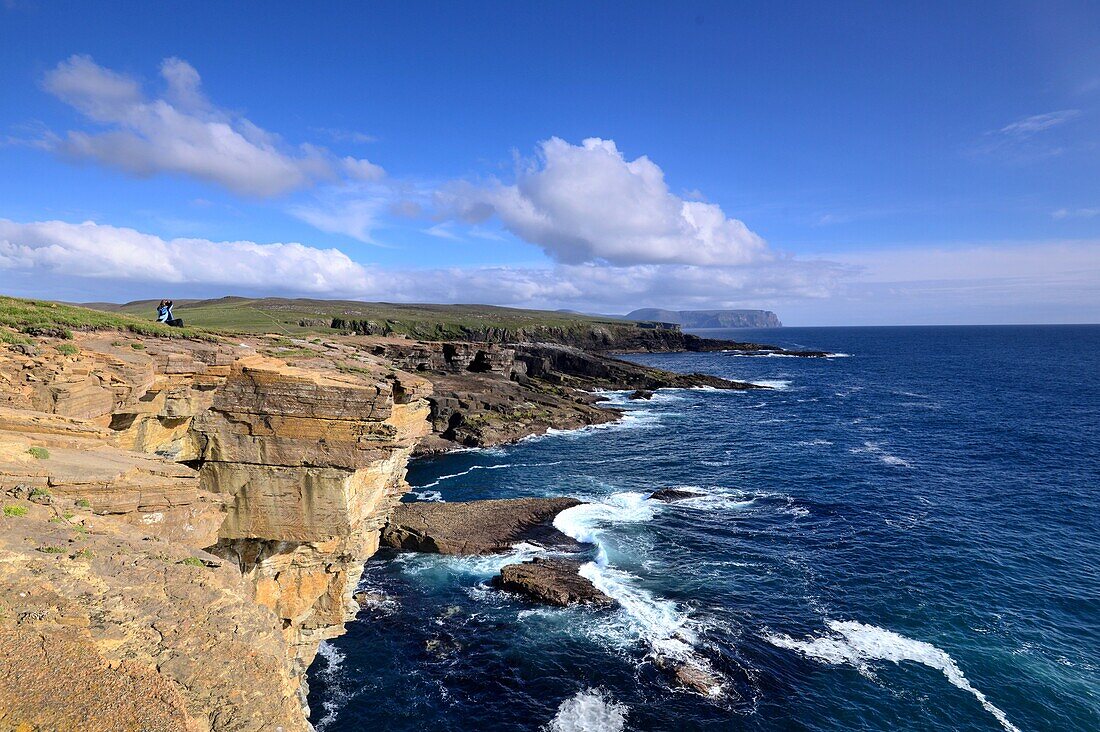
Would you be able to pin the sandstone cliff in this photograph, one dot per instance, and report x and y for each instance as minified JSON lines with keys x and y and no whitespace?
{"x":187,"y":521}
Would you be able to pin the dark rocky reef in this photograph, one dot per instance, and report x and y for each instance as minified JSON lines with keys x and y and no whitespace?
{"x":671,"y":495}
{"x":551,"y":582}
{"x":478,"y":527}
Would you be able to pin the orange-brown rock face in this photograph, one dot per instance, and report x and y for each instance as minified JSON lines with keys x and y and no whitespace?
{"x":310,"y":465}
{"x":286,"y":473}
{"x":104,"y":630}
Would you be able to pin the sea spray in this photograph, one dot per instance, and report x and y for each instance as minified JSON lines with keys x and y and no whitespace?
{"x":591,"y":710}
{"x":857,"y":644}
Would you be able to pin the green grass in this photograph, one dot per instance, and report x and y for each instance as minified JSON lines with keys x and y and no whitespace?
{"x":57,"y":320}
{"x":193,"y":562}
{"x":12,"y":511}
{"x":38,"y":453}
{"x":68,"y":349}
{"x":83,"y":503}
{"x":51,"y":549}
{"x":14,"y":339}
{"x":38,"y":492}
{"x":282,"y":316}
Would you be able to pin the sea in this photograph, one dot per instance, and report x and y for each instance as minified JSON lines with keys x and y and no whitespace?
{"x":904,"y":536}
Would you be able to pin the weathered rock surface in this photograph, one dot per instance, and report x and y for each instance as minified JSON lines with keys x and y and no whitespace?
{"x":552,"y":582}
{"x":691,"y":674}
{"x":477,"y":527}
{"x":290,"y":473}
{"x":671,"y":495}
{"x":76,"y":462}
{"x":641,"y":394}
{"x":104,"y":629}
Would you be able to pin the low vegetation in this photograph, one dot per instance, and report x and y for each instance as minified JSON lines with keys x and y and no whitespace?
{"x":56,"y":320}
{"x":38,"y":453}
{"x":12,"y":511}
{"x":296,"y":317}
{"x":67,"y":349}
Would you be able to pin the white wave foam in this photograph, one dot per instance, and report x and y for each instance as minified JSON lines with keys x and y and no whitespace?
{"x":714,"y":498}
{"x":482,"y":566}
{"x":429,"y":496}
{"x":857,"y":644}
{"x":768,"y":354}
{"x":590,"y":710}
{"x":655,"y":621}
{"x":814,"y":443}
{"x":876,"y":449}
{"x":777,"y":384}
{"x":337,"y":695}
{"x":467,"y":471}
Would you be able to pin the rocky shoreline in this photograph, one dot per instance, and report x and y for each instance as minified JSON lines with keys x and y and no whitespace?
{"x":186,"y":520}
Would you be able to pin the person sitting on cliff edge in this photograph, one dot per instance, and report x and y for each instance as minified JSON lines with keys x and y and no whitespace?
{"x":164,"y":315}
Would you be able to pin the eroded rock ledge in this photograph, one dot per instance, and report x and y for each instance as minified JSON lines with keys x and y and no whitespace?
{"x":478,"y":527}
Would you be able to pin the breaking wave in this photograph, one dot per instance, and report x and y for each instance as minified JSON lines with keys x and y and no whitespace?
{"x":337,"y":695}
{"x":858,"y":644}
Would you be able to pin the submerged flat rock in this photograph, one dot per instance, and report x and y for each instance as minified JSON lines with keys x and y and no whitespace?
{"x":478,"y":527}
{"x":551,"y":581}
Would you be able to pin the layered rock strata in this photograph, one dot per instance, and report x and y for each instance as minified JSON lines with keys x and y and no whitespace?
{"x":285,"y":474}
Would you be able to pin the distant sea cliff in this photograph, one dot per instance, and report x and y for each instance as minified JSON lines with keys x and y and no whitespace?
{"x":709,"y":318}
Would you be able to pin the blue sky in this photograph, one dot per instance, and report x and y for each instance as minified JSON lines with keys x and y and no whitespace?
{"x":836,"y":162}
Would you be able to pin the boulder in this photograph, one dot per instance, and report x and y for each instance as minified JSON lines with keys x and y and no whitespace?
{"x":551,"y":581}
{"x":478,"y":527}
{"x":641,"y":394}
{"x":691,"y":674}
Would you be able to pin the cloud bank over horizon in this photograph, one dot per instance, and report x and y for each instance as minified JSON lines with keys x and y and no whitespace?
{"x":103,"y":262}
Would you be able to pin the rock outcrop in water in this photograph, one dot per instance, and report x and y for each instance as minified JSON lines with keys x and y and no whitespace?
{"x":478,"y":527}
{"x":551,"y":581}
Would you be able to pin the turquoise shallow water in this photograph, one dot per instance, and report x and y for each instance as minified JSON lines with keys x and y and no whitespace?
{"x":905,"y":537}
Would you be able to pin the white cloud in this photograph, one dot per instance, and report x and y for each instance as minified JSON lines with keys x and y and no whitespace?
{"x":587,"y":203}
{"x":98,"y":251}
{"x":1005,"y":282}
{"x":181,"y":132}
{"x":1039,"y":122}
{"x":362,"y":169}
{"x":1074,"y":213}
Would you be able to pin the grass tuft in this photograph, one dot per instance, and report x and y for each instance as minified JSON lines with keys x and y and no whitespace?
{"x":12,"y":511}
{"x":38,"y":453}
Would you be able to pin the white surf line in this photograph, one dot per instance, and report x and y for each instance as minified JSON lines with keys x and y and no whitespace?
{"x":472,"y":468}
{"x":858,"y":644}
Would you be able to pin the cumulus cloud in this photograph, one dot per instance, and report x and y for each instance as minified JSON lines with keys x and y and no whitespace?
{"x":99,"y":251}
{"x":588,"y":203}
{"x":181,"y":132}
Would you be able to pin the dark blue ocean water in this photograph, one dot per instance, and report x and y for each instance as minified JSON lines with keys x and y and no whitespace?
{"x":906,"y":538}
